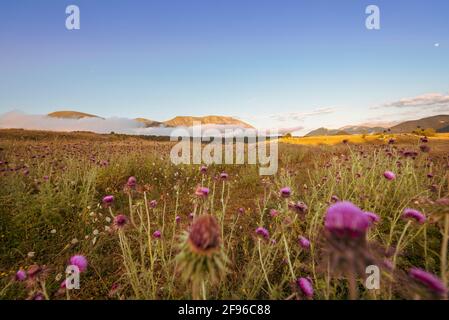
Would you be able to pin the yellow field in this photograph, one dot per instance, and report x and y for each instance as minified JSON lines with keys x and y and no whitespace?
{"x":357,"y":138}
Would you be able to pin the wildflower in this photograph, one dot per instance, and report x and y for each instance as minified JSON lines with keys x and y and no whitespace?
{"x":389,"y":175}
{"x":21,"y":275}
{"x":120,"y":221}
{"x":304,"y":243}
{"x":374,"y":218}
{"x":260,"y":231}
{"x":305,"y":285}
{"x":79,"y":261}
{"x":108,"y":200}
{"x":191,"y":215}
{"x":132,"y":182}
{"x":424,"y":139}
{"x":153,"y":204}
{"x":430,"y":175}
{"x":157,"y":234}
{"x":391,"y":141}
{"x":202,"y":192}
{"x":241,"y":210}
{"x":178,"y":219}
{"x":429,"y":280}
{"x":34,"y":270}
{"x":345,"y":219}
{"x":414,"y":214}
{"x":286,"y":192}
{"x":203,"y":169}
{"x":274,"y":213}
{"x":334,"y":198}
{"x":299,"y":207}
{"x":204,"y":235}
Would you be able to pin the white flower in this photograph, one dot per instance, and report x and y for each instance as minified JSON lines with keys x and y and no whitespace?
{"x":95,"y":233}
{"x":30,"y":254}
{"x":53,"y":231}
{"x":108,"y":219}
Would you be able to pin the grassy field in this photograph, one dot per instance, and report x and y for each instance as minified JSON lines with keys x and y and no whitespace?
{"x":244,"y":237}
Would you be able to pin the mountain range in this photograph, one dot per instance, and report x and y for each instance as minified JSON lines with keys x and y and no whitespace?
{"x":439,"y":123}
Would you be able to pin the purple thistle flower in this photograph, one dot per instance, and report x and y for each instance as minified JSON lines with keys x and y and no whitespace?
{"x":153,"y":204}
{"x":178,"y":219}
{"x":274,"y":213}
{"x":286,"y":192}
{"x":345,"y":219}
{"x":389,"y":175}
{"x":132,"y":182}
{"x":191,"y":215}
{"x":202,"y":192}
{"x":224,"y":176}
{"x":120,"y":221}
{"x":414,"y":214}
{"x":241,"y":210}
{"x":424,"y":139}
{"x":79,"y":261}
{"x":304,"y":243}
{"x":305,"y":285}
{"x":429,"y":280}
{"x":260,"y":231}
{"x":424,"y":148}
{"x":108,"y":200}
{"x":157,"y":234}
{"x":374,"y":218}
{"x":299,"y":207}
{"x":203,"y":169}
{"x":21,"y":275}
{"x":334,"y":198}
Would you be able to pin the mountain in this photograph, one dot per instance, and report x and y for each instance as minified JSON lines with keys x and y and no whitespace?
{"x":149,"y":123}
{"x":443,"y":130}
{"x":187,"y":121}
{"x":436,"y":122}
{"x":345,"y":130}
{"x":71,"y":115}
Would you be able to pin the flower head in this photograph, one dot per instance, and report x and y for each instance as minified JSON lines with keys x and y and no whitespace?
{"x":153,"y":204}
{"x":305,"y":285}
{"x":344,"y":219}
{"x":203,"y":169}
{"x":108,"y":200}
{"x":224,"y":176}
{"x":274,"y":213}
{"x":304,"y":242}
{"x":157,"y":234}
{"x":132,"y":182}
{"x":429,"y":280}
{"x":79,"y":261}
{"x":374,"y":218}
{"x":286,"y":192}
{"x":202,"y":192}
{"x":204,"y":235}
{"x":298,"y":207}
{"x":260,"y":231}
{"x":120,"y":221}
{"x":21,"y":275}
{"x":389,"y":175}
{"x":414,"y":214}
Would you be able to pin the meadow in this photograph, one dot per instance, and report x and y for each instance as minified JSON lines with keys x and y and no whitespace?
{"x":139,"y":227}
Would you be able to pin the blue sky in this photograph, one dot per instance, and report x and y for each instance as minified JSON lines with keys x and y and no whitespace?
{"x":284,"y":63}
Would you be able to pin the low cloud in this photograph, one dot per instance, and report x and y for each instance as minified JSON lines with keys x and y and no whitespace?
{"x":19,"y":120}
{"x":300,"y":116}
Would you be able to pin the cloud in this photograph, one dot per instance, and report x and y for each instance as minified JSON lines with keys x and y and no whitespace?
{"x":19,"y":120}
{"x":300,"y":116}
{"x":425,"y":100}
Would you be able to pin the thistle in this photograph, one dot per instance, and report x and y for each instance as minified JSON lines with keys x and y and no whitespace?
{"x":201,"y":258}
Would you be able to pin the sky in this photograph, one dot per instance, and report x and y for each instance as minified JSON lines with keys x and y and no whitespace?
{"x":299,"y":64}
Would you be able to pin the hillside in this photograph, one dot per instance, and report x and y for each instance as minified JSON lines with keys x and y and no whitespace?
{"x":187,"y":121}
{"x":435,"y":122}
{"x":71,"y":115}
{"x":345,"y":130}
{"x":149,"y":123}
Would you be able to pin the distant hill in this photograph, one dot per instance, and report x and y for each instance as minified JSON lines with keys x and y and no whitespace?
{"x":187,"y":121}
{"x":443,"y":130}
{"x":71,"y":115}
{"x":436,"y":122}
{"x":345,"y":130}
{"x":149,"y":123}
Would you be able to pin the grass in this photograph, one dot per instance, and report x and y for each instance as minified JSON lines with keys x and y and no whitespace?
{"x":53,"y":184}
